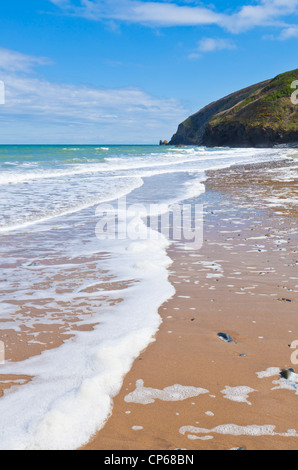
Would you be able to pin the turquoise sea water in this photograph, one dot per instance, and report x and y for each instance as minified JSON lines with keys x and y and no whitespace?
{"x":39,"y":183}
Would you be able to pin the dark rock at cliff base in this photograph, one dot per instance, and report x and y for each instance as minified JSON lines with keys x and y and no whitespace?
{"x":263,"y":115}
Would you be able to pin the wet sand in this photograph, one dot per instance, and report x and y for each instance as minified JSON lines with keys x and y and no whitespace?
{"x":243,"y":282}
{"x":39,"y":327}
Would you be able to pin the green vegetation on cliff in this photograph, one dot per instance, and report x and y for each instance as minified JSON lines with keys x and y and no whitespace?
{"x":259,"y":116}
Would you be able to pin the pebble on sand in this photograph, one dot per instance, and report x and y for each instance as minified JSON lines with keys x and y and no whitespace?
{"x":224,"y":337}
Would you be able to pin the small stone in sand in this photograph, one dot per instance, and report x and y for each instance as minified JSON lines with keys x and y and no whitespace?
{"x":224,"y":337}
{"x":286,"y":374}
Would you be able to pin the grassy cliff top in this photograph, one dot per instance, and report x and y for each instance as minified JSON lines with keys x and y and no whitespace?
{"x":270,"y":106}
{"x":265,"y":109}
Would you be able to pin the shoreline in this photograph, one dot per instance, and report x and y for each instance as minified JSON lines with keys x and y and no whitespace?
{"x":236,"y":285}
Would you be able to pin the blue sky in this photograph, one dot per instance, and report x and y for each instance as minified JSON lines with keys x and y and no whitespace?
{"x":129,"y":71}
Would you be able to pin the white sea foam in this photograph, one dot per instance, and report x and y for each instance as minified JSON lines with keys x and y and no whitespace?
{"x":41,"y":211}
{"x":238,"y":394}
{"x":281,"y":384}
{"x":270,"y":372}
{"x":146,"y":395}
{"x":91,"y":181}
{"x":71,"y":394}
{"x":235,"y":430}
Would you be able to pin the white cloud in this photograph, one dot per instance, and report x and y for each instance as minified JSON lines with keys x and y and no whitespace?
{"x":213,"y":44}
{"x":36,"y":108}
{"x":266,"y":13}
{"x":136,"y":11}
{"x":289,"y":33}
{"x":41,"y":97}
{"x":158,"y":13}
{"x":207,"y":45}
{"x":13,"y":61}
{"x":169,"y":14}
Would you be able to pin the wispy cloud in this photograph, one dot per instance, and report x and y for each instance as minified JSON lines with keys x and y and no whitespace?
{"x":265,"y":13}
{"x":289,"y":33}
{"x":214,"y":44}
{"x":44,"y":98}
{"x":78,"y":112}
{"x":168,"y":13}
{"x":207,"y":45}
{"x":13,"y":61}
{"x":135,"y":11}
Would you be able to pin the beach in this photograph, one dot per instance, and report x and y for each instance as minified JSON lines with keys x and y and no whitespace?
{"x":113,"y":344}
{"x":148,"y":228}
{"x":243,"y":282}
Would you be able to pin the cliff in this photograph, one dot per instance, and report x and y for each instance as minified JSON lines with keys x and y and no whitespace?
{"x":262,"y":115}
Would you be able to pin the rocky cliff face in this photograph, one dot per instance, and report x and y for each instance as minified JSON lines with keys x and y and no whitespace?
{"x":262,"y":115}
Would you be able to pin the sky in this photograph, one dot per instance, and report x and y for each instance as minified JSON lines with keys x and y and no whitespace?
{"x":129,"y":71}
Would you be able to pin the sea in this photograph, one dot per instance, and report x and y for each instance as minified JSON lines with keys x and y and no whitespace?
{"x":78,"y":259}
